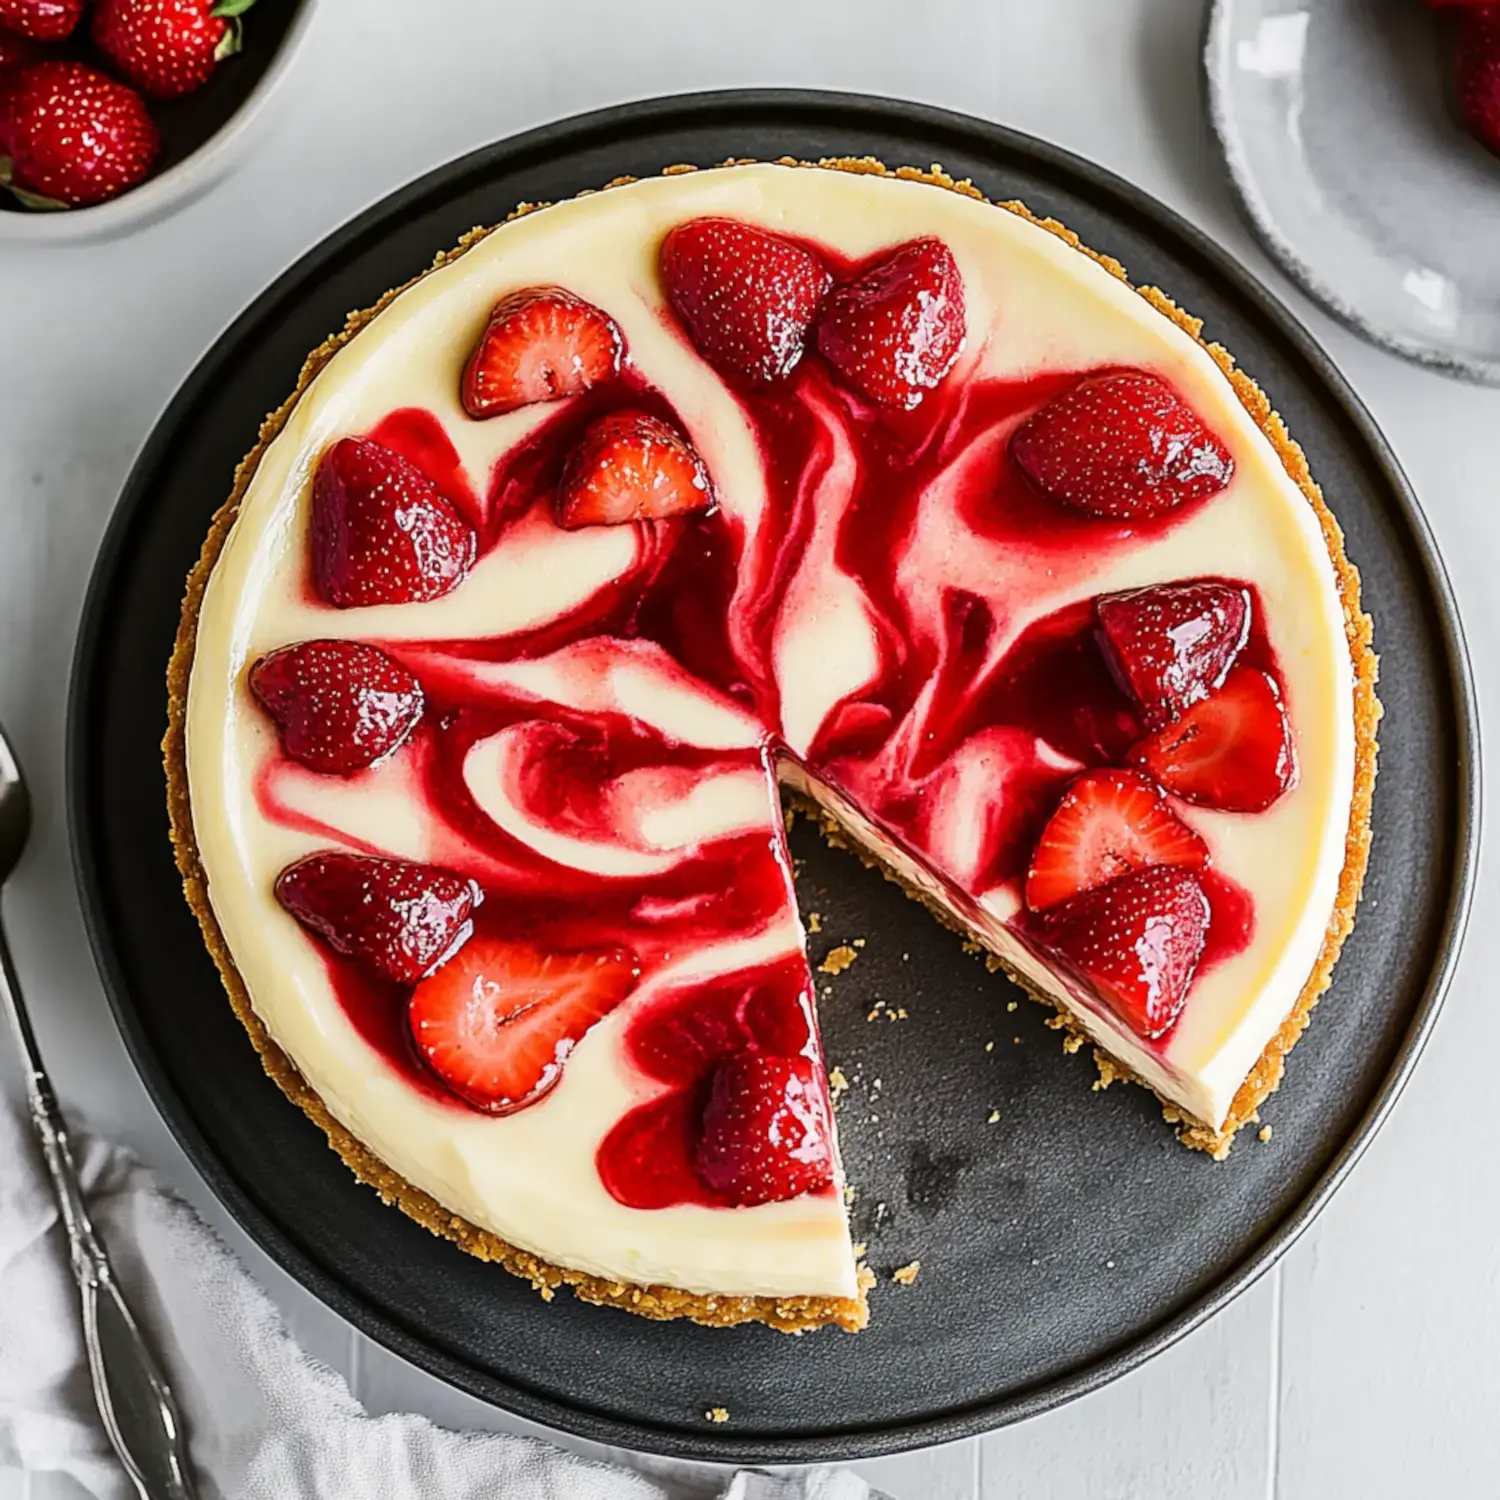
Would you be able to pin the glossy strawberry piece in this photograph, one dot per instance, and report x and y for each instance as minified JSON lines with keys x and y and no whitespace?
{"x":498,"y":1022}
{"x":398,"y":921}
{"x":1137,"y":942}
{"x":1174,"y":643}
{"x":896,"y":330}
{"x":1233,"y":751}
{"x":1107,"y":824}
{"x":381,"y":531}
{"x":631,"y":467}
{"x":1123,"y":446}
{"x":541,"y":344}
{"x":765,"y":1134}
{"x":747,"y":297}
{"x":340,"y":706}
{"x":1478,"y":75}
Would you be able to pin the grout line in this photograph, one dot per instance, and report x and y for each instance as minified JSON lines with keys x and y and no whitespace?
{"x":1273,"y":1416}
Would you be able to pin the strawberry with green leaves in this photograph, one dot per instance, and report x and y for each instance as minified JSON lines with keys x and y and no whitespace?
{"x":168,"y":48}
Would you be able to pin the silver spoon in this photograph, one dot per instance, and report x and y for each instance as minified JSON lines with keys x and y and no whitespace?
{"x":135,"y":1401}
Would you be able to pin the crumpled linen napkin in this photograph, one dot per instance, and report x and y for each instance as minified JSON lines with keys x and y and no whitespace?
{"x":266,"y":1421}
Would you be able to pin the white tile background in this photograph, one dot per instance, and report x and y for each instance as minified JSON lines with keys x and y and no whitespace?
{"x":1364,"y":1366}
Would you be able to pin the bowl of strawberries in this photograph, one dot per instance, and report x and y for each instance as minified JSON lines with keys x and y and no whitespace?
{"x":113,"y":113}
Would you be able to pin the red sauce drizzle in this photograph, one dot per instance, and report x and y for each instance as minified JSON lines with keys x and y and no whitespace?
{"x":954,"y":672}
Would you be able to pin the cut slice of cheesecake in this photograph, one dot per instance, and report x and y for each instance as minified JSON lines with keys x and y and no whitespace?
{"x":568,"y":558}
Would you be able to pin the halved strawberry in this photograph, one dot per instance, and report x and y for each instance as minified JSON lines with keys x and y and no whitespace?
{"x":498,"y":1022}
{"x":1232,"y":751}
{"x":381,"y":531}
{"x":541,"y":344}
{"x":1174,"y":643}
{"x":398,"y":920}
{"x":765,"y":1130}
{"x":746,"y":296}
{"x":1123,"y":446}
{"x":1137,"y":942}
{"x":897,"y":329}
{"x":1107,"y":824}
{"x":631,"y":467}
{"x":339,"y":705}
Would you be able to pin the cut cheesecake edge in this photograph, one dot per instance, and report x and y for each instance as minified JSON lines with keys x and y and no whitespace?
{"x":789,"y":1314}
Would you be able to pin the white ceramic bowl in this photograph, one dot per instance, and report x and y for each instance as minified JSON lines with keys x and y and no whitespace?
{"x":196,"y":171}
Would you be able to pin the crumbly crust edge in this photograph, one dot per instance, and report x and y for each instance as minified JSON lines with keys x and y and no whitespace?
{"x":788,"y":1314}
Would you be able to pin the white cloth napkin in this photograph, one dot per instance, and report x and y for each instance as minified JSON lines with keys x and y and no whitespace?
{"x":266,"y":1421}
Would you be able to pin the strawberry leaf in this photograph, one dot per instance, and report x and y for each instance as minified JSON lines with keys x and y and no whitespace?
{"x":233,"y":39}
{"x":24,"y":196}
{"x":228,"y":9}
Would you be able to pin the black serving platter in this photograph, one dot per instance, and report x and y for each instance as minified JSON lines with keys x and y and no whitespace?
{"x":1061,"y":1245}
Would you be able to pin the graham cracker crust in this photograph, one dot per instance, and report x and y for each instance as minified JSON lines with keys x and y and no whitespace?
{"x":793,"y":1314}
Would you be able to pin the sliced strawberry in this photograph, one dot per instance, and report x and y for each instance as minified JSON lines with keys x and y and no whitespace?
{"x":1107,"y":824}
{"x":631,"y":467}
{"x":1123,"y":446}
{"x":398,"y":920}
{"x":340,"y":705}
{"x":44,"y":20}
{"x":497,"y":1023}
{"x":747,"y":297}
{"x":381,"y":531}
{"x":541,"y":344}
{"x":1478,"y":74}
{"x":896,"y":330}
{"x":1232,"y":751}
{"x":1137,"y":942}
{"x":1174,"y":643}
{"x":765,"y":1136}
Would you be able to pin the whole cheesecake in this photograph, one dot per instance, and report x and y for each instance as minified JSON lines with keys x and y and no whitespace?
{"x":569,"y":560}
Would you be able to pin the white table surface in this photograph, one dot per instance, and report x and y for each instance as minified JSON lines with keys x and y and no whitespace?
{"x":1363,"y":1365}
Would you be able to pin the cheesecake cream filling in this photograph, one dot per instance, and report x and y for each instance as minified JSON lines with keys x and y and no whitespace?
{"x":1033,"y":303}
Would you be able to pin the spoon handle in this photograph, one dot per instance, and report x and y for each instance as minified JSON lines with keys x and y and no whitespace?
{"x":136,"y":1403}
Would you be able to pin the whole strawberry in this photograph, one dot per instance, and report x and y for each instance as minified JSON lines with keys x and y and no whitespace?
{"x":16,"y":52}
{"x":74,"y":137}
{"x":1478,"y":75}
{"x":168,"y":48}
{"x":45,"y":20}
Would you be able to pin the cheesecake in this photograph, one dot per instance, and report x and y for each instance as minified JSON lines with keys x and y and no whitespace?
{"x":571,"y":562}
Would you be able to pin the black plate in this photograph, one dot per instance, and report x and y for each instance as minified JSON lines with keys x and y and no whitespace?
{"x":1060,"y":1246}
